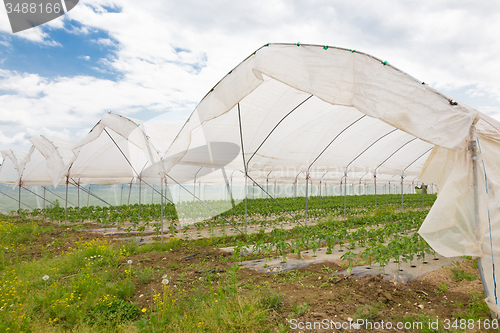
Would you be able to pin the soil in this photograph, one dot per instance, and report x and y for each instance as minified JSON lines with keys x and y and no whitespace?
{"x":326,"y":297}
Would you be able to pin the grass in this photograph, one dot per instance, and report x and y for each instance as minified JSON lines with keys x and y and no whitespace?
{"x":89,"y":287}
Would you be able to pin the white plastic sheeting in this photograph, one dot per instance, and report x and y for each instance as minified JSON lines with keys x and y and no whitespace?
{"x":319,"y":110}
{"x":452,"y":227}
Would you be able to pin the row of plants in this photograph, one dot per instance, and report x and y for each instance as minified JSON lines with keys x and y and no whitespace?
{"x":367,"y":231}
{"x":264,"y":212}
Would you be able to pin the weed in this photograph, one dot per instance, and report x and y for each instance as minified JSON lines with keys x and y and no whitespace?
{"x":459,"y":275}
{"x":476,"y":308}
{"x":111,"y":312}
{"x":442,"y":289}
{"x":272,"y":300}
{"x":368,"y":311}
{"x":300,"y":309}
{"x":291,"y":276}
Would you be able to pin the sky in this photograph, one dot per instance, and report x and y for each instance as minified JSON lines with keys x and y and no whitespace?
{"x":158,"y":58}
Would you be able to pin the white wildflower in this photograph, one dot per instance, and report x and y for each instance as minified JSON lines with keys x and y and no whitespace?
{"x":45,"y":277}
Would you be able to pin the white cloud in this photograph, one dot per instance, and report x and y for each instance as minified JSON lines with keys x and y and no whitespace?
{"x":64,"y":134}
{"x":168,"y":54}
{"x":104,"y":42}
{"x":84,"y":57}
{"x":37,"y":35}
{"x":17,"y":139}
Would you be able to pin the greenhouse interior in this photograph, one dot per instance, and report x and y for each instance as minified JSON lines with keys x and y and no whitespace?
{"x":292,"y":125}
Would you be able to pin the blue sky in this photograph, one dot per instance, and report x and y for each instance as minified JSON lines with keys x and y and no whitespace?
{"x":146,"y":59}
{"x":76,"y":54}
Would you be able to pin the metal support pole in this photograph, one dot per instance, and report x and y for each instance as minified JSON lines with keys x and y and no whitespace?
{"x":245,"y":164}
{"x":194,"y":191}
{"x":20,"y":215}
{"x":473,"y":149}
{"x":307,"y":183}
{"x":320,"y":192}
{"x":121,"y":196}
{"x":161,"y":210}
{"x":246,"y":195}
{"x":78,"y":188}
{"x":88,"y":197}
{"x":44,"y":197}
{"x":129,"y":191}
{"x":267,"y":189}
{"x":375,"y":181}
{"x":423,"y":195}
{"x":140,"y":181}
{"x":66,"y":204}
{"x":402,"y":204}
{"x":345,"y":196}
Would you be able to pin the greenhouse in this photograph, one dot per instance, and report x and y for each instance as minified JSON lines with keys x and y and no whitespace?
{"x":291,"y":123}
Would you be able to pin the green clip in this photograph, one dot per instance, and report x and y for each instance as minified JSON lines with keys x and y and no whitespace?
{"x":254,"y":52}
{"x":138,"y":125}
{"x":211,"y":90}
{"x":298,"y":44}
{"x":384,"y":62}
{"x":266,"y":45}
{"x":453,"y":102}
{"x":325,"y":47}
{"x":352,"y":50}
{"x":229,"y":72}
